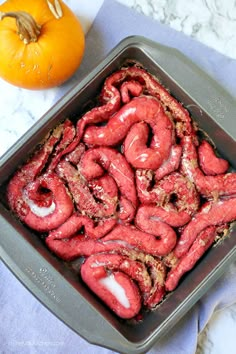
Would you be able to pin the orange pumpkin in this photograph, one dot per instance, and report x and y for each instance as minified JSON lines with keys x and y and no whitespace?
{"x":41,"y":43}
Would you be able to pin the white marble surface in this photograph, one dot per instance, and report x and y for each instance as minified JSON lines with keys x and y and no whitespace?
{"x":212,"y":22}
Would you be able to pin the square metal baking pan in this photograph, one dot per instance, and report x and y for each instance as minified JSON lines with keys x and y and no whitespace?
{"x":54,"y":283}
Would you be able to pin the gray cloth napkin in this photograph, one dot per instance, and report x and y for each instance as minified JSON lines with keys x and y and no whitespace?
{"x":28,"y":327}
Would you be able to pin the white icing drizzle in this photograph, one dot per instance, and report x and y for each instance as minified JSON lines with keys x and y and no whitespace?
{"x":39,"y":211}
{"x":116,"y":289}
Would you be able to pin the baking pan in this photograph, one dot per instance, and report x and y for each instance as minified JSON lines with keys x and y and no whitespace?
{"x":55,"y":284}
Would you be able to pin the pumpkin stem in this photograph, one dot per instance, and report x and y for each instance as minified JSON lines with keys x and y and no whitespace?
{"x":27,"y":27}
